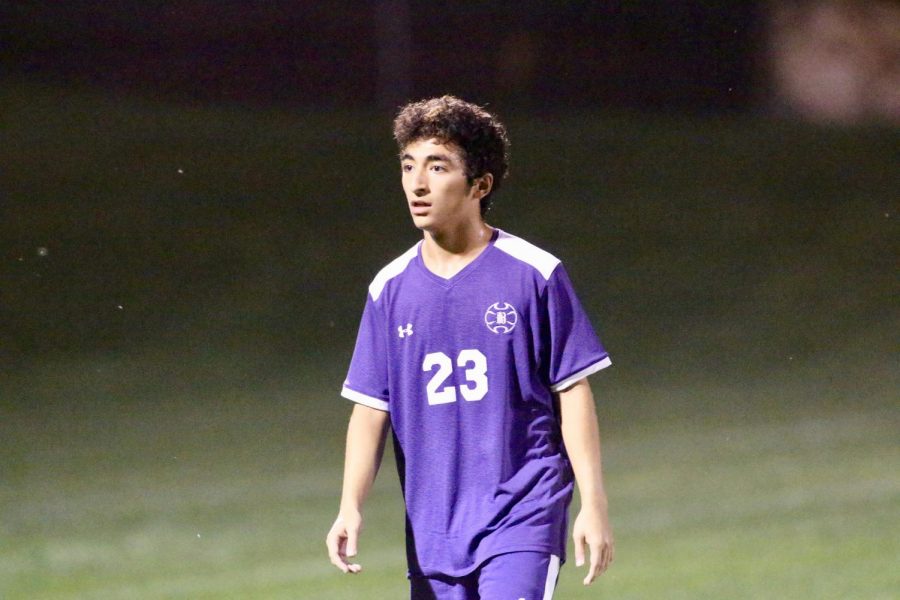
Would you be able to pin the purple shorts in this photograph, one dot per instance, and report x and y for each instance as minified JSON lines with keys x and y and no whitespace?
{"x":512,"y":576}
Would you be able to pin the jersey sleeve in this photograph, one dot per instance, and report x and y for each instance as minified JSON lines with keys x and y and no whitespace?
{"x":367,"y":378}
{"x":575,"y":349}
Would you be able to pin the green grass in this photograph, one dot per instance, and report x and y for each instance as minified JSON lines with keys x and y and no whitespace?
{"x":227,"y":493}
{"x":169,"y":418}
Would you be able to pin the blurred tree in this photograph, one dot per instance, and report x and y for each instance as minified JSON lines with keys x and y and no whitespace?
{"x":695,"y":55}
{"x":836,"y":60}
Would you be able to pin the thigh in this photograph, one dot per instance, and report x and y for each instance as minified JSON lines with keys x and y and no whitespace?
{"x":519,"y":576}
{"x":443,"y":588}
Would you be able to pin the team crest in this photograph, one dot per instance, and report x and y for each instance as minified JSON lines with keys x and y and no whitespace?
{"x":501,"y":317}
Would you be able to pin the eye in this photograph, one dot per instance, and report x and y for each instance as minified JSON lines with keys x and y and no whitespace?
{"x":438,"y":168}
{"x":406,"y":168}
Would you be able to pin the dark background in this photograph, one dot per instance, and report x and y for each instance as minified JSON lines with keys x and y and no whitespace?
{"x":695,"y":56}
{"x":215,"y":181}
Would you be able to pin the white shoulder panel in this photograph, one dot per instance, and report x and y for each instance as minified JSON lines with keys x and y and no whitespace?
{"x":393,"y":268}
{"x":518,"y":248}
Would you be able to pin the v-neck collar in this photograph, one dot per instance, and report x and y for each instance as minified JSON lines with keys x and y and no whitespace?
{"x":470,"y":266}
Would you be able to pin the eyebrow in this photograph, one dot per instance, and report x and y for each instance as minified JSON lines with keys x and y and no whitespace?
{"x":429,"y":158}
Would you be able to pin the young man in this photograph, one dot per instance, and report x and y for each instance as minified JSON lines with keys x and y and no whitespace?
{"x":475,"y":349}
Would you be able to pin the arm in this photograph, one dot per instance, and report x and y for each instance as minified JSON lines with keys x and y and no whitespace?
{"x":366,"y":434}
{"x":581,"y":435}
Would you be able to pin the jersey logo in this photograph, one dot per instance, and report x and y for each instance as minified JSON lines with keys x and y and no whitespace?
{"x":501,"y":317}
{"x":404,"y":331}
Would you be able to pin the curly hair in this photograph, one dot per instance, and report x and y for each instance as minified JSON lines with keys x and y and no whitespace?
{"x":479,"y":135}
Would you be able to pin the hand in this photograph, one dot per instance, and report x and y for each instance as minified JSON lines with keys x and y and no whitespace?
{"x":592,"y":527}
{"x":342,"y":539}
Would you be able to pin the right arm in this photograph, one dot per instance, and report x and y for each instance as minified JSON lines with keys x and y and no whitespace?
{"x":366,"y":435}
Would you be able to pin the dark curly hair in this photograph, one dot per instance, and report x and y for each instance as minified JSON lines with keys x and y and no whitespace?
{"x":478,"y":134}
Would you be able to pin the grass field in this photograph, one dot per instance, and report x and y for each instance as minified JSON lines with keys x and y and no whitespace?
{"x":227,"y":493}
{"x":169,"y":365}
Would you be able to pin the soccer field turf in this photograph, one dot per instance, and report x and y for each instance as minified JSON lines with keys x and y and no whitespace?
{"x":228,"y":494}
{"x":182,"y":284}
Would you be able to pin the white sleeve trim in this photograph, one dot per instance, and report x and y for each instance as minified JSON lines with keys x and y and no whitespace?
{"x":393,"y":269}
{"x":528,"y":253}
{"x":597,"y":366}
{"x":361,"y":398}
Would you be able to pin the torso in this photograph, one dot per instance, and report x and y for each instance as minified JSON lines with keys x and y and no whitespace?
{"x":477,"y":436}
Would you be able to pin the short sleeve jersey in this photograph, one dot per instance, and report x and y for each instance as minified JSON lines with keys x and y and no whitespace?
{"x":467,"y":367}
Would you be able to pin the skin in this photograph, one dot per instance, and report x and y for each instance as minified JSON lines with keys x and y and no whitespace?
{"x":366,"y":435}
{"x":581,"y":435}
{"x":446,"y":207}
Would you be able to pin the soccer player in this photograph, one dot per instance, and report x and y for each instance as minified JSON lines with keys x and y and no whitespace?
{"x":474,"y":349}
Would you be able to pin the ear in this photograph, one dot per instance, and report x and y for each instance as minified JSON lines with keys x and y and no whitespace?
{"x":483,"y":185}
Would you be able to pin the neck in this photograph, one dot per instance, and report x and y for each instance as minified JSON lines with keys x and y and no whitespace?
{"x":461,"y":239}
{"x":447,"y":251}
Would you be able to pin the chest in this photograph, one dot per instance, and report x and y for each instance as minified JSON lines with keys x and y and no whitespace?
{"x":482,"y":311}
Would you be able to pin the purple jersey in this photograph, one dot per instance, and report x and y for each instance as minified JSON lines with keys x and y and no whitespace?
{"x":467,"y":367}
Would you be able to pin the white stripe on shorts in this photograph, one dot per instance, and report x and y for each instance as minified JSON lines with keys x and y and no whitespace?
{"x":552,"y":574}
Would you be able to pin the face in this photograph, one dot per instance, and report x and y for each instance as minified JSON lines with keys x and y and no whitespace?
{"x":437,"y":191}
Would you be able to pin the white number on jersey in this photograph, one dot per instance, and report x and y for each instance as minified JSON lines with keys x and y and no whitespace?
{"x":445,"y":367}
{"x":476,"y":376}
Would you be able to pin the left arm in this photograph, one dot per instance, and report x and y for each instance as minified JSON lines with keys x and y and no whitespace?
{"x":581,"y":435}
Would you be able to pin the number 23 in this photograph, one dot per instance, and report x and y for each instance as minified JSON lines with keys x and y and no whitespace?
{"x":476,"y":386}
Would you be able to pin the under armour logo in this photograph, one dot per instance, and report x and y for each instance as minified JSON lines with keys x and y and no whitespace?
{"x":404,"y":331}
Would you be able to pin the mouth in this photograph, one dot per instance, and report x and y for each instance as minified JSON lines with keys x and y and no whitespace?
{"x":419,"y":207}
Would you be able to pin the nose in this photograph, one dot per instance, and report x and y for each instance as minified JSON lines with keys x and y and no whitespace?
{"x":420,"y":183}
